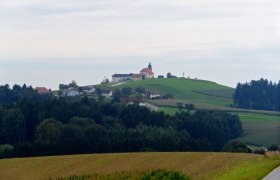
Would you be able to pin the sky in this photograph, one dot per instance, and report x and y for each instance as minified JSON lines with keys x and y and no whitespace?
{"x":48,"y":42}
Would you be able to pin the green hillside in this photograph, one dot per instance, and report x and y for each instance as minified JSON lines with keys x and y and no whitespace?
{"x":260,"y":129}
{"x":188,"y":89}
{"x":194,"y":165}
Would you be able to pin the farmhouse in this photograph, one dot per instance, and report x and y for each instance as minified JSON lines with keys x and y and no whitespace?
{"x":88,"y":89}
{"x":145,"y":73}
{"x":42,"y":91}
{"x":106,"y":93}
{"x":121,"y":77}
{"x":71,"y":92}
{"x":154,"y":95}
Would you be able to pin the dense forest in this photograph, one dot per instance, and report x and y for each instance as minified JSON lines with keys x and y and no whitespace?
{"x":33,"y":125}
{"x":260,"y":95}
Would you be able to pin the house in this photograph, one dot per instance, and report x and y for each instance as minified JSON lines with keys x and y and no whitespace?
{"x":106,"y":93}
{"x":154,"y":95}
{"x":42,"y":91}
{"x":147,"y":73}
{"x":256,"y":149}
{"x":136,"y":77}
{"x":116,"y":78}
{"x":88,"y":89}
{"x":71,"y":92}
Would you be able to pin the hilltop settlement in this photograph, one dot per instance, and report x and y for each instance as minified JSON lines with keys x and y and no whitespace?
{"x":105,"y":89}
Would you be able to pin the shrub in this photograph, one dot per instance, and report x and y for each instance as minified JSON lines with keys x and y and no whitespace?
{"x":235,"y":146}
{"x":6,"y":150}
{"x":164,"y":175}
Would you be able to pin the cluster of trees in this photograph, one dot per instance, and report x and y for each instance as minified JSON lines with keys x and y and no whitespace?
{"x":261,"y":95}
{"x":67,"y":86}
{"x":69,"y":126}
{"x":10,"y":95}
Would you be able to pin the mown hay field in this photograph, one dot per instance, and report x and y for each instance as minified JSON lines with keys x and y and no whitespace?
{"x":194,"y":165}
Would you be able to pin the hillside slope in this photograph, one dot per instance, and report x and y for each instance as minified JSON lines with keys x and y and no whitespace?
{"x":196,"y":165}
{"x":188,"y":89}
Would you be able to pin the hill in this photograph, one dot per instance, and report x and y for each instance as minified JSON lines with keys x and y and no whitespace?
{"x":195,"y":165}
{"x":209,"y":95}
{"x":188,"y":89}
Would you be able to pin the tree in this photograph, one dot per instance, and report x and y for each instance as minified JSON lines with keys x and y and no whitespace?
{"x":116,"y":96}
{"x":127,"y":91}
{"x":189,"y":107}
{"x":13,"y":126}
{"x":73,"y":84}
{"x":140,"y":90}
{"x":49,"y":132}
{"x":236,"y":146}
{"x":105,"y":81}
{"x":169,"y":75}
{"x":180,"y":106}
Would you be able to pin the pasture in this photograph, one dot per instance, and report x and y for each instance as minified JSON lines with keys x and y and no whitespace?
{"x":260,"y":129}
{"x":187,"y":89}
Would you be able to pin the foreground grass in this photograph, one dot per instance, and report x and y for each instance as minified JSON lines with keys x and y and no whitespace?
{"x":194,"y":165}
{"x":136,"y":175}
{"x":248,"y":170}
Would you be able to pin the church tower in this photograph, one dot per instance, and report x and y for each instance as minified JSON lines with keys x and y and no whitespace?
{"x":150,"y":66}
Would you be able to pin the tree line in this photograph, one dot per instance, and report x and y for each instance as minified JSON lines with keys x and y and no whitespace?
{"x":258,"y":94}
{"x":56,"y":126}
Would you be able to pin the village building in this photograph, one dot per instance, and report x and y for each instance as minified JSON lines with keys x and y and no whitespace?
{"x":42,"y":91}
{"x":145,"y":73}
{"x":106,"y":93}
{"x":136,"y":77}
{"x":116,"y":78}
{"x":154,"y":95}
{"x":87,"y":89}
{"x":71,"y":92}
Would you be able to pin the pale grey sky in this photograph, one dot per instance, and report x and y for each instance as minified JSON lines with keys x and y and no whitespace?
{"x":47,"y":42}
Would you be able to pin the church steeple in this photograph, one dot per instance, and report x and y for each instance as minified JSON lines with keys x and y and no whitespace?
{"x":150,"y":66}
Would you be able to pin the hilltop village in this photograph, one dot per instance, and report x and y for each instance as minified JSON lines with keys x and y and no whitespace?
{"x":107,"y":87}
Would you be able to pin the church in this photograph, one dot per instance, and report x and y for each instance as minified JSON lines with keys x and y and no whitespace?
{"x":145,"y":73}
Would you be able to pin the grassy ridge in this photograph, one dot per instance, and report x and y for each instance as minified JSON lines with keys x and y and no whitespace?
{"x":195,"y":165}
{"x":187,"y":89}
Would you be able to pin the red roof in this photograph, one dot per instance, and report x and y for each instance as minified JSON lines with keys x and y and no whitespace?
{"x":147,"y":70}
{"x":42,"y":90}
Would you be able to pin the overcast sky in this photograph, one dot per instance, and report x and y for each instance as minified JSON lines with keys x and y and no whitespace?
{"x":47,"y":42}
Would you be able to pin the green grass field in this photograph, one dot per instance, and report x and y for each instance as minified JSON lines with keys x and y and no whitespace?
{"x":194,"y":165}
{"x":260,"y":129}
{"x":187,"y":89}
